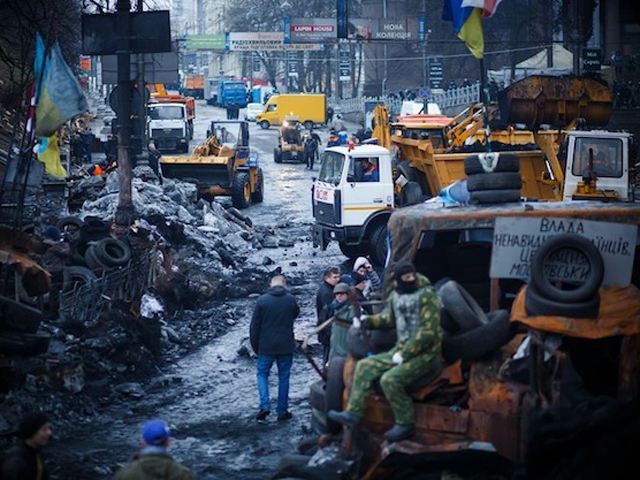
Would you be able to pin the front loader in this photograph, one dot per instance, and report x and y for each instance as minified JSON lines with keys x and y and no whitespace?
{"x":221,"y":166}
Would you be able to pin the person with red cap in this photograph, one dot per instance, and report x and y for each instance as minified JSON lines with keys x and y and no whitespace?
{"x":153,"y":462}
{"x":23,"y":461}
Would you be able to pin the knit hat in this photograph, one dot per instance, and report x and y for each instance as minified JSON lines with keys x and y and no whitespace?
{"x":155,"y":432}
{"x":357,"y":278}
{"x":403,"y":267}
{"x":31,"y":423}
{"x":341,"y":288}
{"x":360,"y":262}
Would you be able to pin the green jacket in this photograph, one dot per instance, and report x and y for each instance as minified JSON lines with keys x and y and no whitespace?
{"x":427,"y":339}
{"x":154,"y":466}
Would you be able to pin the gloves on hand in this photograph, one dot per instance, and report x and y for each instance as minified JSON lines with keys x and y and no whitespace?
{"x":360,"y":322}
{"x":397,"y":358}
{"x":356,"y":322}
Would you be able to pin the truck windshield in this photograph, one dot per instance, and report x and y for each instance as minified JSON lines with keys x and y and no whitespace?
{"x":607,"y":156}
{"x":166,"y":112}
{"x":331,"y":169}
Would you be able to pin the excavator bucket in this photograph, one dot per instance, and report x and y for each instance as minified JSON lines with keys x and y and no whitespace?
{"x":556,"y":101}
{"x":206,"y":172}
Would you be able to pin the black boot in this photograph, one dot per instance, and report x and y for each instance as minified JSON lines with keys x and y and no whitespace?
{"x":345,"y":418}
{"x":398,"y":432}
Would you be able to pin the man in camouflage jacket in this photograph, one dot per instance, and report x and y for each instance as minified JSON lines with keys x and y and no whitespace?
{"x":414,"y":310}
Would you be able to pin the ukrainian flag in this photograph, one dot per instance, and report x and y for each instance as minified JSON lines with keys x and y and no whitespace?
{"x":467,"y":22}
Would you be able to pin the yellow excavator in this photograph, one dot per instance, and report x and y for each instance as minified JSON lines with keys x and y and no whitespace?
{"x":222,"y":165}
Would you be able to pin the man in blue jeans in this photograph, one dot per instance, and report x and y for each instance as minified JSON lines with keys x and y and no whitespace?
{"x":271,"y":334}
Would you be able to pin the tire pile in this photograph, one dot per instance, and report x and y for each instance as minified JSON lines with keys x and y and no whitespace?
{"x":469,"y":332}
{"x":94,"y":251}
{"x":571,"y":299}
{"x":493,"y":178}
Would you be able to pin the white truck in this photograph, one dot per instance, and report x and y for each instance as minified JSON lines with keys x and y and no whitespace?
{"x":355,"y":213}
{"x":168,"y":126}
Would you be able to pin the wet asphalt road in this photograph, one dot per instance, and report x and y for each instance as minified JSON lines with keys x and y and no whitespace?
{"x":211,"y":397}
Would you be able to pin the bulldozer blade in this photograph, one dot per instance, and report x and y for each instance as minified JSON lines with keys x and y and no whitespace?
{"x":204,"y":175}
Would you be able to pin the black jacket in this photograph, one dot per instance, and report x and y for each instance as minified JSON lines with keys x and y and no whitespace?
{"x":271,"y":330}
{"x":21,"y":463}
{"x":323,"y":298}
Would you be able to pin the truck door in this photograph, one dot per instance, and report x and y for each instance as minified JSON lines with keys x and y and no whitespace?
{"x":367,"y":189}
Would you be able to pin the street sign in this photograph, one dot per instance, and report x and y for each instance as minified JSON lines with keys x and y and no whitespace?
{"x":425,"y":92}
{"x":343,"y":18}
{"x":344,"y":64}
{"x":151,"y":33}
{"x":515,"y":241}
{"x":292,"y":64}
{"x":435,"y":73}
{"x":591,"y":59}
{"x":214,"y":41}
{"x":422,"y":29}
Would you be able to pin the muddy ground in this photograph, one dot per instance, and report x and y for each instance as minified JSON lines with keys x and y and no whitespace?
{"x":209,"y":396}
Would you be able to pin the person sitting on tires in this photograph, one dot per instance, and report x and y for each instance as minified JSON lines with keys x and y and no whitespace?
{"x":414,"y":309}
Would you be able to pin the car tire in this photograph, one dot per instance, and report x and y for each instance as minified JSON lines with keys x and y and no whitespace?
{"x":333,"y":391}
{"x":506,"y":163}
{"x":112,"y":252}
{"x":92,"y":260}
{"x":70,"y":225}
{"x":464,"y":310}
{"x":352,"y":251}
{"x":264,"y":125}
{"x":72,"y":276}
{"x":19,"y":316}
{"x":358,"y":343}
{"x":241,"y":190}
{"x":494,"y":196}
{"x":537,"y":305}
{"x":447,"y":323}
{"x":479,"y":342}
{"x":411,"y":194}
{"x":494,"y":181}
{"x":582,"y":293}
{"x":258,"y":195}
{"x":308,"y":124}
{"x":378,"y":245}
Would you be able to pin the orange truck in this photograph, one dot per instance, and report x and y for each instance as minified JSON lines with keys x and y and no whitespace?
{"x":194,"y":86}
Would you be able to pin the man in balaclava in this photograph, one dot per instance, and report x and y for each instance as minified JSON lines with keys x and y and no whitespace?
{"x":414,"y":310}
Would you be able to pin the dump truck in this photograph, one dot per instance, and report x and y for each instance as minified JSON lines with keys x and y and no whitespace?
{"x":310,"y":108}
{"x":170,"y":121}
{"x":520,"y":385}
{"x":223,"y":165}
{"x":193,"y":86}
{"x":290,"y":145}
{"x":430,"y":152}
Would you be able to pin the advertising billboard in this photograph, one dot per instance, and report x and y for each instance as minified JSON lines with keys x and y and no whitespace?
{"x":319,"y":30}
{"x":262,"y":41}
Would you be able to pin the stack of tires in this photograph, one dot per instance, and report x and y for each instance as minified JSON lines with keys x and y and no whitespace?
{"x":493,"y":178}
{"x":547,"y":297}
{"x":469,"y":332}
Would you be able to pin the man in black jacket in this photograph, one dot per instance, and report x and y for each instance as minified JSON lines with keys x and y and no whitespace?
{"x":23,"y":461}
{"x":271,"y":334}
{"x":330,"y":278}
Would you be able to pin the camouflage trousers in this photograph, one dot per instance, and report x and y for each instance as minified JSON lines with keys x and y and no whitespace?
{"x":393,"y":380}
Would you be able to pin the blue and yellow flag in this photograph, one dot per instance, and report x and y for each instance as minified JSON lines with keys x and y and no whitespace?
{"x":467,"y":23}
{"x":59,"y":96}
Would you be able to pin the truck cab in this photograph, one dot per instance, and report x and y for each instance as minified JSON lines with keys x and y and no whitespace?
{"x":601,"y":153}
{"x":350,"y":206}
{"x":168,"y":126}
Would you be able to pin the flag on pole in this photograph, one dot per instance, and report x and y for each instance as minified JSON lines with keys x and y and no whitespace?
{"x":467,"y":23}
{"x":488,"y":7}
{"x":59,"y":96}
{"x":49,"y":154}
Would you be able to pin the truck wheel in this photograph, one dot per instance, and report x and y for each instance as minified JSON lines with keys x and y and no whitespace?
{"x":411,"y":194}
{"x":352,"y":251}
{"x":308,"y":124}
{"x":378,"y":245}
{"x":258,"y":195}
{"x":264,"y":125}
{"x":185,"y":148}
{"x":241,"y":190}
{"x":277,"y":155}
{"x":507,"y":162}
{"x":495,"y":196}
{"x":494,"y":181}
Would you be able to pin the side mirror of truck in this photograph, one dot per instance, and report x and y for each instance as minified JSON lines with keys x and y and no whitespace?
{"x":350,"y":179}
